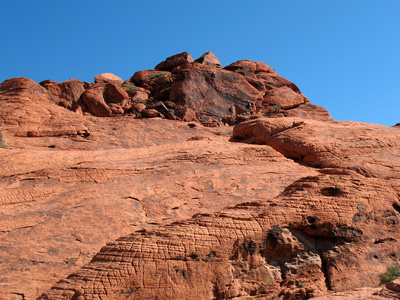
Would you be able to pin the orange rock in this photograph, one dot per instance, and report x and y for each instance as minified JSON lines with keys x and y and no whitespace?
{"x":107,"y":78}
{"x":211,"y":92}
{"x":285,"y":97}
{"x":145,"y":76}
{"x":66,"y":93}
{"x":94,"y":100}
{"x":285,"y":207}
{"x":208,"y":58}
{"x":174,"y":61}
{"x":334,"y":230}
{"x":27,"y":109}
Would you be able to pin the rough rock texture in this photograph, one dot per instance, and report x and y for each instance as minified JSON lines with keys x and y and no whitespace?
{"x":200,"y":90}
{"x":208,"y":58}
{"x":107,"y":99}
{"x":127,"y":208}
{"x":108,"y":78}
{"x":212,"y":92}
{"x":298,"y":244}
{"x":67,"y":93}
{"x":27,"y":110}
{"x":174,"y":61}
{"x":205,"y":92}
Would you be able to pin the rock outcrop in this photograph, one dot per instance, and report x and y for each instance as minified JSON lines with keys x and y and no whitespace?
{"x":181,"y":88}
{"x":27,"y":109}
{"x":108,"y":78}
{"x":299,"y":244}
{"x":102,"y":197}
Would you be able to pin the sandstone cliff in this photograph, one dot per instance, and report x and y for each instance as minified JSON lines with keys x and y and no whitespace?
{"x":287,"y":204}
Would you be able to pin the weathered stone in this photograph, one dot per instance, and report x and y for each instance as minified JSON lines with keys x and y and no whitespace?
{"x":284,"y":97}
{"x":286,"y":207}
{"x":115,"y":94}
{"x":208,"y":58}
{"x":27,"y":109}
{"x":211,"y":92}
{"x":66,"y":93}
{"x":150,"y":113}
{"x":174,"y":61}
{"x":108,"y":78}
{"x":94,"y":100}
{"x":145,"y":76}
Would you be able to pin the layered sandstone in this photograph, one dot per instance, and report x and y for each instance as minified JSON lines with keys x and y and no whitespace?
{"x":298,"y":244}
{"x":102,"y":197}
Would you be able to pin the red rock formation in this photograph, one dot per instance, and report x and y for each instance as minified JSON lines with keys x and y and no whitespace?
{"x":27,"y":109}
{"x":211,"y":92}
{"x":299,"y":244}
{"x":285,"y":208}
{"x":108,"y":78}
{"x":174,"y":61}
{"x":209,"y":58}
{"x":201,"y":90}
{"x":66,"y":94}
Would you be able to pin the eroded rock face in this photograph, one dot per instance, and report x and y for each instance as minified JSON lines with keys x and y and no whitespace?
{"x":209,"y":58}
{"x":200,"y":89}
{"x":212,"y":92}
{"x":174,"y":61}
{"x":299,"y":244}
{"x":67,"y":93}
{"x":27,"y":109}
{"x":291,"y":206}
{"x":108,"y":78}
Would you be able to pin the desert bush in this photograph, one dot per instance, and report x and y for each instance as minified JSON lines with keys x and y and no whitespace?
{"x":156,"y":75}
{"x":277,"y":108}
{"x":392,"y":272}
{"x":140,"y":100}
{"x":2,"y":143}
{"x":130,"y":87}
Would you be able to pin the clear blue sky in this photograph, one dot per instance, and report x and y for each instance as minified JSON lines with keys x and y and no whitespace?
{"x":343,"y":55}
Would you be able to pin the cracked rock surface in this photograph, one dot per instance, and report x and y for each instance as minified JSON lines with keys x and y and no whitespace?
{"x":125,"y":208}
{"x":333,"y":228}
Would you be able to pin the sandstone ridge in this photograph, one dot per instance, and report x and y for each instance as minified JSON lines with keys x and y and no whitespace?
{"x":192,"y":179}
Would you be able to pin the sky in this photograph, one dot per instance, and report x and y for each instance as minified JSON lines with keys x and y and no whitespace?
{"x":344,"y":55}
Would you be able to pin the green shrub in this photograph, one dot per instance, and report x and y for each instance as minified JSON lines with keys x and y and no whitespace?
{"x":268,"y":281}
{"x":392,"y":272}
{"x":140,"y":100}
{"x":130,"y":87}
{"x":2,"y":144}
{"x":300,"y":284}
{"x":277,"y":108}
{"x":156,"y":75}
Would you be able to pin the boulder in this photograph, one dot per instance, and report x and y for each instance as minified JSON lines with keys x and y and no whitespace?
{"x":211,"y":92}
{"x":27,"y":109}
{"x":150,"y":113}
{"x":145,"y":76}
{"x":174,"y":61}
{"x":115,"y":94}
{"x":108,"y":78}
{"x":243,"y":67}
{"x":94,"y":100}
{"x":284,"y":97}
{"x":209,"y":58}
{"x":394,"y":285}
{"x":249,"y":66}
{"x":66,"y":93}
{"x":308,"y":111}
{"x":106,"y":99}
